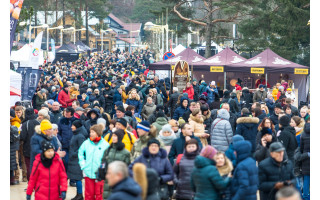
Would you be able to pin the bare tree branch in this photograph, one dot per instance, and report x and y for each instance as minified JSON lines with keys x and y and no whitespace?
{"x":185,"y":18}
{"x":231,"y":19}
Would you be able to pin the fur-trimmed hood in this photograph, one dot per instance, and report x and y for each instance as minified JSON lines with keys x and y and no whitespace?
{"x":40,"y":95}
{"x":226,"y":168}
{"x":194,"y":118}
{"x":205,"y":117}
{"x":248,"y":120}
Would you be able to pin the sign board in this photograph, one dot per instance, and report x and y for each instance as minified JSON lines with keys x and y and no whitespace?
{"x":168,"y":55}
{"x":257,"y":70}
{"x":301,"y":71}
{"x":181,"y":75}
{"x":216,"y":69}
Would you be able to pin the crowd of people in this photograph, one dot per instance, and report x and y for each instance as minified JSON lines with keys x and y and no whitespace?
{"x":107,"y":121}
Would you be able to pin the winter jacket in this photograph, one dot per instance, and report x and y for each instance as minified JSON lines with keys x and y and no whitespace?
{"x":173,"y":100}
{"x":64,"y":99}
{"x":210,"y":92}
{"x":180,"y":110}
{"x":128,"y":139}
{"x":148,"y":110}
{"x":202,"y":88}
{"x":245,"y":177}
{"x":288,"y":138}
{"x":65,"y":131}
{"x":110,"y":92}
{"x":182,"y":175}
{"x":53,"y":95}
{"x":101,"y":100}
{"x":221,"y":131}
{"x":232,"y":119}
{"x":27,"y":131}
{"x":189,"y":91}
{"x":248,"y":127}
{"x":35,"y":144}
{"x":274,"y":118}
{"x":126,"y":189}
{"x":305,"y":149}
{"x":15,"y":122}
{"x":196,"y":92}
{"x":90,"y":155}
{"x":198,"y":128}
{"x":178,"y":147}
{"x":14,"y":142}
{"x":207,"y":121}
{"x":55,"y":116}
{"x":40,"y":99}
{"x":48,"y":183}
{"x":90,"y":122}
{"x":230,"y":154}
{"x":262,"y":152}
{"x":113,"y":153}
{"x":275,"y":94}
{"x":206,"y":181}
{"x":136,"y":103}
{"x":159,"y":123}
{"x":117,"y":96}
{"x":271,"y":172}
{"x":247,"y":97}
{"x":262,"y":116}
{"x":270,"y":104}
{"x":74,"y":171}
{"x":259,"y":96}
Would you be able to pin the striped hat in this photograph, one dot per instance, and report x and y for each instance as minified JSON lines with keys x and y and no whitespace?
{"x":144,"y":125}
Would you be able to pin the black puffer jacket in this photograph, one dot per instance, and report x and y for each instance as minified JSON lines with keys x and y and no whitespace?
{"x":271,"y":172}
{"x":14,"y":142}
{"x":55,"y":116}
{"x":196,"y":90}
{"x":262,"y":152}
{"x":109,"y":99}
{"x":90,"y":122}
{"x":288,"y":139}
{"x":305,"y":149}
{"x":247,"y":97}
{"x":173,"y":101}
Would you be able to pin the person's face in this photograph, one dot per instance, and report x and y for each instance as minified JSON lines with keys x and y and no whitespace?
{"x":293,"y":123}
{"x":55,"y":132}
{"x":187,"y":131}
{"x":133,"y":94}
{"x":114,"y":138}
{"x":205,"y":112}
{"x":120,"y":126}
{"x":267,"y":137}
{"x":96,"y":92}
{"x":199,"y":115}
{"x":18,"y":113}
{"x":49,"y":132}
{"x":154,"y":149}
{"x":150,"y":93}
{"x":303,"y":112}
{"x":175,"y":128}
{"x":40,"y":117}
{"x":49,"y":153}
{"x":113,"y":178}
{"x":267,"y":123}
{"x":166,"y":133}
{"x":277,"y":110}
{"x":288,"y":111}
{"x":119,"y":114}
{"x":261,"y":89}
{"x":188,"y":84}
{"x":93,"y":134}
{"x":74,"y":105}
{"x":111,"y":126}
{"x":226,"y":107}
{"x":289,"y":92}
{"x":68,"y":114}
{"x":185,"y":103}
{"x":278,"y":156}
{"x":79,"y":112}
{"x":191,"y":148}
{"x":220,"y":161}
{"x":67,"y":88}
{"x":93,"y":115}
{"x":149,"y":101}
{"x":73,"y":128}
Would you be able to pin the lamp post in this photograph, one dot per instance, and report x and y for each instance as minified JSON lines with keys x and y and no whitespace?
{"x":61,"y":35}
{"x":74,"y":34}
{"x":59,"y":27}
{"x":31,"y":27}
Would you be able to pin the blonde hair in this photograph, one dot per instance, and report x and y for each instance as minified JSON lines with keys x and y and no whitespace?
{"x":265,"y":108}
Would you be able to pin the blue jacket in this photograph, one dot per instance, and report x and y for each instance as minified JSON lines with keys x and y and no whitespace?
{"x":116,"y":96}
{"x":126,"y":189}
{"x":137,"y":104}
{"x":90,"y":155}
{"x":210,"y":93}
{"x":206,"y":180}
{"x":202,"y":88}
{"x":230,"y":154}
{"x":158,"y":162}
{"x":248,"y":128}
{"x":180,"y":110}
{"x":65,"y":132}
{"x":245,"y":177}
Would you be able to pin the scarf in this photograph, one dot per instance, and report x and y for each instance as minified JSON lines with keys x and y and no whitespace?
{"x":167,"y":140}
{"x":96,"y":140}
{"x":191,"y":155}
{"x":226,"y":168}
{"x":298,"y":129}
{"x":45,"y":161}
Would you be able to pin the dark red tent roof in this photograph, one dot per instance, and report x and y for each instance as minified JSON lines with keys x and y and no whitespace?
{"x":266,"y":59}
{"x":223,"y":58}
{"x":188,"y":55}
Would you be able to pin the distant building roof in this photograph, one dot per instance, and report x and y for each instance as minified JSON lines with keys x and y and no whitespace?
{"x":116,"y":19}
{"x":127,"y":40}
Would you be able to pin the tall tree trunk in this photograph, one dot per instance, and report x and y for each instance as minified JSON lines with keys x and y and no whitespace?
{"x":75,"y":22}
{"x":208,"y":31}
{"x":35,"y":23}
{"x":56,"y":31}
{"x":80,"y":18}
{"x":63,"y":12}
{"x":87,"y":26}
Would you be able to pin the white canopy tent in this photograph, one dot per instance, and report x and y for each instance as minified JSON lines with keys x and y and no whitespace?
{"x":178,"y":49}
{"x":15,"y":87}
{"x":23,"y":54}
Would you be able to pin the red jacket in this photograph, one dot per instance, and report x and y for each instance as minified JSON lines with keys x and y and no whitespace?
{"x":146,"y":72}
{"x":64,"y":99}
{"x":48,"y":183}
{"x":190,"y":92}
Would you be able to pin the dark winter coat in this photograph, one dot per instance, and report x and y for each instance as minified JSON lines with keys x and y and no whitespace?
{"x":27,"y":131}
{"x":117,"y":96}
{"x":206,"y":181}
{"x":182,"y":175}
{"x":136,"y":103}
{"x":262,"y":152}
{"x":262,"y":116}
{"x":101,"y":100}
{"x":288,"y":139}
{"x":159,"y":162}
{"x":207,"y":121}
{"x":164,"y":93}
{"x":14,"y":142}
{"x":271,"y":172}
{"x":202,"y":88}
{"x":248,"y":127}
{"x":196,"y":92}
{"x":74,"y":170}
{"x":48,"y":183}
{"x":153,"y":185}
{"x":305,"y":149}
{"x":152,"y":118}
{"x":247,"y":97}
{"x":148,"y":110}
{"x":274,"y":118}
{"x":177,"y":147}
{"x":90,"y":122}
{"x":173,"y":101}
{"x":270,"y":104}
{"x":245,"y":177}
{"x":126,"y":189}
{"x":180,"y":110}
{"x":65,"y":132}
{"x":55,"y":116}
{"x":109,"y":99}
{"x":40,"y":99}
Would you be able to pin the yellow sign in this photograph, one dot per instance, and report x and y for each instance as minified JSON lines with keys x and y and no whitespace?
{"x":257,"y":70}
{"x":172,"y":67}
{"x":216,"y":69}
{"x":301,"y":71}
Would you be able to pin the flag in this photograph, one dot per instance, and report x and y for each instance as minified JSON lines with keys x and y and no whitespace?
{"x":29,"y":83}
{"x":15,"y":8}
{"x":35,"y":52}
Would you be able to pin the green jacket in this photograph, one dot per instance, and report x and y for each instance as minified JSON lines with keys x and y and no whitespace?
{"x":160,"y":122}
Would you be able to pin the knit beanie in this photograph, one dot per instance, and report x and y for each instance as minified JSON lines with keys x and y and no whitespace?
{"x":265,"y":131}
{"x":278,"y":105}
{"x":77,"y":123}
{"x":208,"y":152}
{"x":43,"y":112}
{"x":121,"y":109}
{"x":181,"y":121}
{"x":237,"y":138}
{"x":102,"y":121}
{"x":122,"y":121}
{"x":160,"y":114}
{"x":192,"y":141}
{"x":45,"y":125}
{"x":12,"y":113}
{"x":45,"y":145}
{"x":144,"y":125}
{"x":120,"y":134}
{"x":204,"y":107}
{"x":153,"y":141}
{"x":166,"y":128}
{"x":284,"y":120}
{"x":97,"y":128}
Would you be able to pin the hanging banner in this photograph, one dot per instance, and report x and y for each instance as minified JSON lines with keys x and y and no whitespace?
{"x":15,"y":8}
{"x":29,"y":83}
{"x":181,"y":75}
{"x":35,"y":52}
{"x":53,"y":47}
{"x":257,"y":70}
{"x":301,"y":71}
{"x":216,"y":69}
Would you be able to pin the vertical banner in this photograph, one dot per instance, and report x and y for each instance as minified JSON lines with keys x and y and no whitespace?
{"x":53,"y":47}
{"x":35,"y":52}
{"x":15,"y":8}
{"x":29,"y":83}
{"x":181,"y":75}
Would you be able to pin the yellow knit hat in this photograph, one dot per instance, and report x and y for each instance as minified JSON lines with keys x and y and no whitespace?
{"x":45,"y":125}
{"x":289,"y":89}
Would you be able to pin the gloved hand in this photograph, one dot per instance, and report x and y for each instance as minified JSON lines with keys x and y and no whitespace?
{"x":63,"y":195}
{"x":28,"y":197}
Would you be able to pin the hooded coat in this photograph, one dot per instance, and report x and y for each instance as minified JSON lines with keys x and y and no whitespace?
{"x":180,"y":110}
{"x":207,"y":121}
{"x":288,"y":138}
{"x":126,"y":189}
{"x":245,"y":179}
{"x":65,"y":132}
{"x":247,"y":97}
{"x":202,"y":87}
{"x":305,"y":149}
{"x":173,"y":100}
{"x":159,"y":123}
{"x":206,"y":181}
{"x":148,"y":110}
{"x":40,"y":99}
{"x":90,"y":122}
{"x":221,"y":131}
{"x":48,"y":183}
{"x":248,"y":127}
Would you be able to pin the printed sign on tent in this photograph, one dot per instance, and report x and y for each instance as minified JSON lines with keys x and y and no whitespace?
{"x":181,"y":75}
{"x":216,"y":69}
{"x":257,"y":70}
{"x":301,"y":71}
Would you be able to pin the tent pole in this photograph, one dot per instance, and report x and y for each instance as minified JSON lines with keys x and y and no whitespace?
{"x":191,"y":72}
{"x":171,"y":87}
{"x":225,"y":80}
{"x":267,"y":81}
